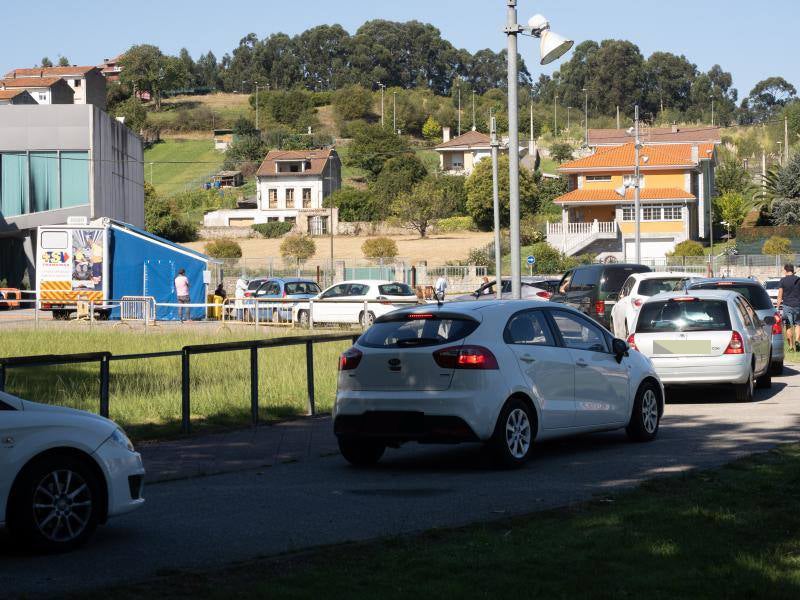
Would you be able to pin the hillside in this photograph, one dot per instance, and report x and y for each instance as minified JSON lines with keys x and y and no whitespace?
{"x":181,"y":164}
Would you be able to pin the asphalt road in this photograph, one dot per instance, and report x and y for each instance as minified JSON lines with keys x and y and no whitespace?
{"x":211,"y":521}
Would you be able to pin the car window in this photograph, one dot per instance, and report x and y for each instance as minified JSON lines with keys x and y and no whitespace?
{"x":651,"y":287}
{"x":771,"y":285}
{"x":578,"y":333}
{"x":614,"y":277}
{"x":752,"y":317}
{"x":583,"y":280}
{"x":414,"y":331}
{"x":753,"y":292}
{"x":684,"y":314}
{"x":565,"y":281}
{"x":254,"y":284}
{"x":357,"y":289}
{"x":301,"y":287}
{"x":270,"y":288}
{"x":395,"y":289}
{"x":336,"y":291}
{"x":628,"y":287}
{"x":529,"y":328}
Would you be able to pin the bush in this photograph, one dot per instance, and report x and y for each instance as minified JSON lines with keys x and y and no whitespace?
{"x":452,"y":224}
{"x":380,"y":247}
{"x":687,"y":248}
{"x":352,"y":102}
{"x":561,"y":152}
{"x":165,"y":219}
{"x":274,"y":229}
{"x":357,"y":205}
{"x":298,"y":247}
{"x":530,"y":231}
{"x":223,"y":248}
{"x":786,"y":211}
{"x":777,"y":245}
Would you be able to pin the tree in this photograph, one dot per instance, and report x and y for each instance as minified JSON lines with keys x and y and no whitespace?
{"x":63,"y":61}
{"x":380,"y":247}
{"x":46,"y":62}
{"x":146,"y":68}
{"x":786,"y":211}
{"x":352,"y":102}
{"x":298,"y":247}
{"x":372,"y":146}
{"x":357,"y":205}
{"x":431,"y":129}
{"x":164,"y":219}
{"x":293,"y":108}
{"x":669,"y":82}
{"x":133,"y":112}
{"x":426,"y":203}
{"x":561,"y":152}
{"x":731,"y":208}
{"x":244,"y":127}
{"x":768,"y":97}
{"x":777,"y":245}
{"x":732,"y":177}
{"x":687,"y":248}
{"x":223,"y":248}
{"x":480,"y":202}
{"x":549,"y":190}
{"x":399,"y":174}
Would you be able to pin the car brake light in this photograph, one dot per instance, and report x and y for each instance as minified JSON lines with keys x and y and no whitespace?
{"x":284,"y":293}
{"x":466,"y":357}
{"x":600,"y":307}
{"x":637,"y":303}
{"x":415,"y":316}
{"x":349,"y":359}
{"x":684,"y":299}
{"x":777,"y":327}
{"x":736,"y":345}
{"x":632,"y":342}
{"x":544,"y":294}
{"x":248,"y":294}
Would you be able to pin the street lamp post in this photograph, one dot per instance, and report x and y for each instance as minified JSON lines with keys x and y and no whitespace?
{"x":555,"y":114}
{"x":474,"y":125}
{"x":256,"y":104}
{"x":458,"y":84}
{"x":498,"y":257}
{"x":383,"y":87}
{"x":394,"y":111}
{"x":569,"y":110}
{"x":552,"y":47}
{"x":586,"y":114}
{"x":712,"y":110}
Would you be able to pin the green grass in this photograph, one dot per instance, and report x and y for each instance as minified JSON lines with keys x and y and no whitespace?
{"x":185,"y":164}
{"x":548,"y":165}
{"x":145,"y":395}
{"x":728,"y":533}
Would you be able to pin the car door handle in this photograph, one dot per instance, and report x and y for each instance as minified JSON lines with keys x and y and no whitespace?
{"x":527,"y":358}
{"x":581,"y":363}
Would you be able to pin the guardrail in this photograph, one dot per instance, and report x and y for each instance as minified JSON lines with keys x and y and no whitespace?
{"x":253,"y":346}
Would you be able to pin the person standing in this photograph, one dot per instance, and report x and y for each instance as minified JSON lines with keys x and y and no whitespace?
{"x":182,"y":291}
{"x":440,"y":288}
{"x":239,"y":294}
{"x":789,"y":300}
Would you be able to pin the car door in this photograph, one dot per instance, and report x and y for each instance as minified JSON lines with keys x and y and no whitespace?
{"x":602,"y":394}
{"x":330,"y":312}
{"x":755,"y":328}
{"x":12,"y":430}
{"x":622,"y":309}
{"x":548,"y":369}
{"x":270,"y":289}
{"x":356,"y":294}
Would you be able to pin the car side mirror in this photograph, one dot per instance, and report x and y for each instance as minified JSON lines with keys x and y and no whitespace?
{"x":769,"y":321}
{"x":620,"y":348}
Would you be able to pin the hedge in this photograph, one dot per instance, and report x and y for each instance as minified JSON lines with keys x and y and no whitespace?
{"x":273,"y":229}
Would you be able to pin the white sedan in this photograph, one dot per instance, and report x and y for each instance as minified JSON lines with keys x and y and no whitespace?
{"x":505,"y":373}
{"x":704,"y":337}
{"x":62,"y":472}
{"x":357,"y":301}
{"x":636,"y":289}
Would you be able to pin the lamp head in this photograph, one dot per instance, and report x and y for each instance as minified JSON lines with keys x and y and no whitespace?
{"x":553,"y":46}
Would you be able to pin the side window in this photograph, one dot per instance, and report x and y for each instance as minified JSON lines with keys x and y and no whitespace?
{"x":579,"y":333}
{"x":745,"y":318}
{"x":565,"y":281}
{"x":274,"y":289}
{"x":627,"y":288}
{"x":335,"y":292}
{"x":748,"y":309}
{"x":529,"y":328}
{"x":583,"y":280}
{"x":357,"y":289}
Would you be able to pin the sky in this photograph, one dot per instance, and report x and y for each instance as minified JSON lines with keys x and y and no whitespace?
{"x":750,"y":42}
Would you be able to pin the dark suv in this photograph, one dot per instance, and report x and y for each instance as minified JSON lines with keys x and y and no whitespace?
{"x":594,"y":289}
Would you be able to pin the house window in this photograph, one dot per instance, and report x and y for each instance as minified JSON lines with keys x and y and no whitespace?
{"x":598,"y":178}
{"x":628,"y":213}
{"x":42,"y":97}
{"x":273,"y":198}
{"x":306,"y":197}
{"x":651,"y":213}
{"x":294,"y":168}
{"x":77,"y":83}
{"x":289,"y":197}
{"x":673,"y":212}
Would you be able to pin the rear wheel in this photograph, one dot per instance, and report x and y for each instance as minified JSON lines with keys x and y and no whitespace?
{"x":744,"y":391}
{"x":512,"y":442}
{"x":645,"y":417}
{"x":361,"y":453}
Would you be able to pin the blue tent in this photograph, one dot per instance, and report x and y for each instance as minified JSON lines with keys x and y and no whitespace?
{"x":143,"y":264}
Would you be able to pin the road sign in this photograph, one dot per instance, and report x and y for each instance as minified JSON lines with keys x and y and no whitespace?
{"x":531,"y":260}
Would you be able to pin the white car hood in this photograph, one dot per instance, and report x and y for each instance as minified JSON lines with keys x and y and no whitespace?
{"x":62,"y":411}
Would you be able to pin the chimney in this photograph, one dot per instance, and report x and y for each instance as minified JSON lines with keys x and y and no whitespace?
{"x":695,"y":154}
{"x":445,"y":134}
{"x":532,"y":148}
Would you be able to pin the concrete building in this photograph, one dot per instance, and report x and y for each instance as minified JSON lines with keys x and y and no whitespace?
{"x":58,"y":162}
{"x":87,"y":83}
{"x":15,"y":97}
{"x":45,"y":90}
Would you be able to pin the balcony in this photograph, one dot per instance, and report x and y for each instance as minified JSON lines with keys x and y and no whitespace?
{"x":571,"y":238}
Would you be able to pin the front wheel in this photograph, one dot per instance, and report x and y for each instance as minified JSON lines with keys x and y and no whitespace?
{"x":361,"y":453}
{"x":512,"y":441}
{"x":646,"y":415}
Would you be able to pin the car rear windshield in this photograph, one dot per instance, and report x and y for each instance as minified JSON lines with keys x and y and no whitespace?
{"x":301,"y":287}
{"x":651,"y":287}
{"x":415,"y":332}
{"x":772,"y":285}
{"x":614,"y":278}
{"x":755,"y":294}
{"x":395,"y":289}
{"x":681,"y":315}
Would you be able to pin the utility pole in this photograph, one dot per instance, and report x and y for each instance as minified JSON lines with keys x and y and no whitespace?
{"x":569,"y":110}
{"x":780,"y":153}
{"x":555,"y":114}
{"x":474,"y":125}
{"x":617,"y":117}
{"x":383,"y":87}
{"x":512,"y":30}
{"x":712,"y":111}
{"x":586,"y":114}
{"x":498,"y":258}
{"x":458,"y":84}
{"x":637,"y":203}
{"x":394,"y":112}
{"x":786,"y":140}
{"x":257,"y":105}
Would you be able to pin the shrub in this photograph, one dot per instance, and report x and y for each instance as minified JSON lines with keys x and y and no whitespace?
{"x":165,"y":219}
{"x":223,"y":248}
{"x":452,"y":224}
{"x":356,"y":205}
{"x":352,"y":102}
{"x":380,"y":247}
{"x":777,"y":245}
{"x":786,"y":211}
{"x":298,"y":247}
{"x":530,"y":231}
{"x":561,"y":152}
{"x":687,"y":248}
{"x":274,"y":229}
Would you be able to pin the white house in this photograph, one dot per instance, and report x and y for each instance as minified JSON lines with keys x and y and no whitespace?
{"x":87,"y":83}
{"x":45,"y":90}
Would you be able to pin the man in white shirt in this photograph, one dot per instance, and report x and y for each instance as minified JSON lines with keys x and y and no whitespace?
{"x":182,"y":291}
{"x":440,"y":288}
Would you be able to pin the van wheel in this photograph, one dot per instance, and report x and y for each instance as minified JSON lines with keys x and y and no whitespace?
{"x":776,"y":368}
{"x":361,"y":453}
{"x":512,"y":442}
{"x":744,"y":391}
{"x":646,"y":414}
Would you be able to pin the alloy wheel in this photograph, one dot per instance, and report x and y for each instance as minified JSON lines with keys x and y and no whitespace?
{"x":518,"y":433}
{"x":62,"y":505}
{"x":650,"y":411}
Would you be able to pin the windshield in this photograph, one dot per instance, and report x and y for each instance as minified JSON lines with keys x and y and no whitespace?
{"x":416,"y":332}
{"x":755,"y":294}
{"x":302,"y":287}
{"x":679,"y":315}
{"x":651,"y":287}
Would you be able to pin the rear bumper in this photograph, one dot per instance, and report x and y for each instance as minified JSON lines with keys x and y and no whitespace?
{"x":404,"y":426}
{"x":697,"y":371}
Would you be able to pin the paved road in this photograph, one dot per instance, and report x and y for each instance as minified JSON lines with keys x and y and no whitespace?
{"x":212,"y":520}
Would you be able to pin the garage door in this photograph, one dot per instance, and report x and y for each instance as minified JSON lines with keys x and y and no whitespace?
{"x":651,"y":248}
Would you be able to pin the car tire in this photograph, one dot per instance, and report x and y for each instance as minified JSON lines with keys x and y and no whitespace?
{"x":366,"y":319}
{"x":646,"y":414}
{"x":511,"y":444}
{"x":303,"y":319}
{"x":776,"y":368}
{"x":361,"y":453}
{"x":765,"y":381}
{"x":744,"y":391}
{"x":63,"y":489}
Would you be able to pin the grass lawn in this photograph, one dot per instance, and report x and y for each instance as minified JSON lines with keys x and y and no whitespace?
{"x":548,"y":165}
{"x":145,"y":395}
{"x":186,"y":164}
{"x":728,"y":533}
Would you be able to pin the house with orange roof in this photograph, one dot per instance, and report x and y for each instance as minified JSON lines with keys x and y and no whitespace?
{"x":598,"y":215}
{"x":45,"y":90}
{"x":87,"y":83}
{"x":15,"y":97}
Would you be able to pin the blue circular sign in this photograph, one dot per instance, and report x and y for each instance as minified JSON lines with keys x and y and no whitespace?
{"x":531,"y":260}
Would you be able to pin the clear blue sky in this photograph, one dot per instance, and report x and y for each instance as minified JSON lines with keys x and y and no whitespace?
{"x":706,"y":31}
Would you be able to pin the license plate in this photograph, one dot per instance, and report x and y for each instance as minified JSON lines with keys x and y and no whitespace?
{"x":682,"y":347}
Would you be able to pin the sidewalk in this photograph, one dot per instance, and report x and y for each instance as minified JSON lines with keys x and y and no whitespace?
{"x":252,"y":448}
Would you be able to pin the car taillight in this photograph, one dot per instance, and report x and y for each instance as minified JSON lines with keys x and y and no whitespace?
{"x":349,"y":359}
{"x":284,"y":293}
{"x":632,"y":342}
{"x":248,"y":294}
{"x":600,"y":307}
{"x":544,"y":294}
{"x":466,"y":357}
{"x":736,"y":345}
{"x":637,"y":303}
{"x":777,"y":326}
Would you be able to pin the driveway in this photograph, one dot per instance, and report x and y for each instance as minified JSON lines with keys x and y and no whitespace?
{"x":310,"y":496}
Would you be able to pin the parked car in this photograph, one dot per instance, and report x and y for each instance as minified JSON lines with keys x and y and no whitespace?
{"x":772,"y":285}
{"x":346,"y":302}
{"x":759,"y":299}
{"x":62,"y":472}
{"x":705,"y":337}
{"x":253,"y":285}
{"x":635,"y":290}
{"x":532,"y":287}
{"x":283,"y":288}
{"x":505,"y":374}
{"x":594,"y":289}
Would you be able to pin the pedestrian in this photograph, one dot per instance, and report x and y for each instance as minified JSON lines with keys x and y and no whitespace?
{"x":239,"y":294}
{"x":220,"y":291}
{"x":182,"y":291}
{"x":440,"y":287}
{"x":789,"y":299}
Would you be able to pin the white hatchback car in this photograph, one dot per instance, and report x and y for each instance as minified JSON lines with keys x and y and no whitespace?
{"x":505,"y":373}
{"x":62,"y":472}
{"x":345,"y":302}
{"x":705,"y":337}
{"x":636,"y":289}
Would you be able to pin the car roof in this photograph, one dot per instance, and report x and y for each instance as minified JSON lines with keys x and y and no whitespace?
{"x":368,"y":281}
{"x":701,"y":294}
{"x":661,"y":274}
{"x":731,"y":280}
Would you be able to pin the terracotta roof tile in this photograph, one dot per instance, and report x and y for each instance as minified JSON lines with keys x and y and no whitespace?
{"x":318,"y":158}
{"x":30,"y":82}
{"x":654,"y":155}
{"x":49,"y":71}
{"x":9,"y":94}
{"x":657,"y":135}
{"x":605,"y":195}
{"x":468,"y":140}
